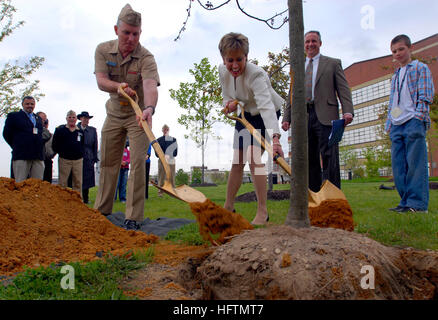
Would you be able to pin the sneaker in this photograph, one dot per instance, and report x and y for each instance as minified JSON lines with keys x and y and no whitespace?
{"x":413,"y":210}
{"x":131,"y":225}
{"x":122,"y":201}
{"x":397,"y":209}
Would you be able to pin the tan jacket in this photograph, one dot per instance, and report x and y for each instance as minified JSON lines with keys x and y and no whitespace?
{"x":137,"y":66}
{"x":330,"y":84}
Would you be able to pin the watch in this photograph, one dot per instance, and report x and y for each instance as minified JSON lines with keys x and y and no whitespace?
{"x":153,"y":109}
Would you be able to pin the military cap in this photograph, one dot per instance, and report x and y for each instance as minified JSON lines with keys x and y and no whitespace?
{"x":129,"y":16}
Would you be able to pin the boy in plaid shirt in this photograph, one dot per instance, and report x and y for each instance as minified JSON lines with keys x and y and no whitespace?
{"x":408,"y":120}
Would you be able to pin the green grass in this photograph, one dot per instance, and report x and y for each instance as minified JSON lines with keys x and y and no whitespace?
{"x":97,"y":280}
{"x":370,"y":209}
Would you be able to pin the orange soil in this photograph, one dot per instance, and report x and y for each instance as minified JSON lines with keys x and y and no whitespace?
{"x":41,"y":223}
{"x":335,"y":213}
{"x":213,"y":219}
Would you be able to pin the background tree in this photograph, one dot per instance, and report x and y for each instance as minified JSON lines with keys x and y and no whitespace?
{"x":201,"y":101}
{"x":14,"y":77}
{"x":350,"y":160}
{"x":196,"y":176}
{"x":181,"y":177}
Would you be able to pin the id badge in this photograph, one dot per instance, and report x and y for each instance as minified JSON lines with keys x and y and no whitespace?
{"x":35,"y":130}
{"x":396,"y":112}
{"x":79,"y":138}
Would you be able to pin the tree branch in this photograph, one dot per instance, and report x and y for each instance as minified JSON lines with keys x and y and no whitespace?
{"x":210,"y":7}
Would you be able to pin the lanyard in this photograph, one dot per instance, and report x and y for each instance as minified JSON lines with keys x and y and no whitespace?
{"x":400,"y":86}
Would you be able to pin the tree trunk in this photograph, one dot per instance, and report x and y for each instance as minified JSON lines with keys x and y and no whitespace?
{"x":202,"y":168}
{"x":298,"y":216}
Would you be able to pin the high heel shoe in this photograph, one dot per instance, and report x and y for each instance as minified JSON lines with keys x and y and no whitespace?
{"x":260,"y":224}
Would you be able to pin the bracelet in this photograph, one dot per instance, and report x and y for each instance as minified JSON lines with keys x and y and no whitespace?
{"x":153,"y":109}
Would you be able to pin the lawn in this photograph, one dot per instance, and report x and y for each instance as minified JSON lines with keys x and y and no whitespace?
{"x":369,"y":204}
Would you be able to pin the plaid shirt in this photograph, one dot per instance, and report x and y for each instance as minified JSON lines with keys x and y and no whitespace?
{"x":420,"y":85}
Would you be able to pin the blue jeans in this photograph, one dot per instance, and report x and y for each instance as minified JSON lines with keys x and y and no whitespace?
{"x":409,"y":163}
{"x":121,"y":184}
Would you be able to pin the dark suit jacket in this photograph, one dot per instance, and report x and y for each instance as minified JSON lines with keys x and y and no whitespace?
{"x":330,"y":83}
{"x":18,"y":133}
{"x":168,"y":145}
{"x":90,"y":156}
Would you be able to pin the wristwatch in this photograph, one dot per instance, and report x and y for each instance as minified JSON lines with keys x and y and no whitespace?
{"x":153,"y":109}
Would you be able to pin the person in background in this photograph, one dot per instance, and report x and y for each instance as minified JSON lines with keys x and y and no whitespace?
{"x":170,"y":149}
{"x":148,"y":169}
{"x":23,"y":131}
{"x":49,"y":154}
{"x":247,"y":84}
{"x":68,"y":142}
{"x":125,"y":63}
{"x":123,"y":175}
{"x":411,"y":94}
{"x":90,"y":153}
{"x":325,"y":82}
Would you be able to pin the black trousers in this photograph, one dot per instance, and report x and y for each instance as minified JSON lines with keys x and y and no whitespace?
{"x":323,"y":160}
{"x":48,"y":170}
{"x":148,"y":168}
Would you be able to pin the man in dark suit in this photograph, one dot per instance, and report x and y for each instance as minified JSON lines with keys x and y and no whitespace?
{"x":90,"y":153}
{"x":48,"y":152}
{"x":23,"y":132}
{"x":170,"y":148}
{"x":325,"y":83}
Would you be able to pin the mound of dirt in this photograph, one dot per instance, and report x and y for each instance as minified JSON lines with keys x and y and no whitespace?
{"x":41,"y":223}
{"x":286,"y":263}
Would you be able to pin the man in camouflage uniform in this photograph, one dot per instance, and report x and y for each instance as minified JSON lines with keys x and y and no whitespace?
{"x":125,"y":62}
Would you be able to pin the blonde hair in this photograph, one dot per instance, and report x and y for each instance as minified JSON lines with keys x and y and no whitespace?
{"x":233,"y":41}
{"x":71,"y":112}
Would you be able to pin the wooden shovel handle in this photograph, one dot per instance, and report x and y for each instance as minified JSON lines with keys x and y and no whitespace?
{"x":148,"y":131}
{"x":257,"y":136}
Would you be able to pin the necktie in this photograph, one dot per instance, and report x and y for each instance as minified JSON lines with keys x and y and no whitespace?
{"x":31,"y":117}
{"x":308,"y":80}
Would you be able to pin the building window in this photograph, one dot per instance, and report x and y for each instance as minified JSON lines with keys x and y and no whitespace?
{"x":361,"y":135}
{"x":375,"y":91}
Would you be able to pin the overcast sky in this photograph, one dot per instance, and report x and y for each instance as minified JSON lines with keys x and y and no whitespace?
{"x":66,"y":34}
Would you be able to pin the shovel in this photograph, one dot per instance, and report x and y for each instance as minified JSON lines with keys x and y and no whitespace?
{"x":263,"y":143}
{"x":183,"y":192}
{"x":328,"y":190}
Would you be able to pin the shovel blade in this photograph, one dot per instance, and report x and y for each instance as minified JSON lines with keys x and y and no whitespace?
{"x":328,"y":192}
{"x":183,"y":192}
